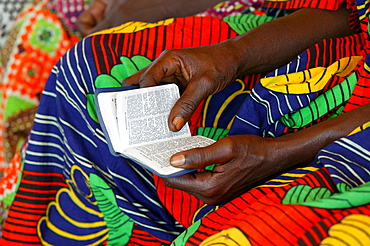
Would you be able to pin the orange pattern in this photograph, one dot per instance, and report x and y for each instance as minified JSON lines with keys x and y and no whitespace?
{"x":36,"y":43}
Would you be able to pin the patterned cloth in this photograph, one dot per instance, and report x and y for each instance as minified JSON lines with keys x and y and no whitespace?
{"x":39,"y":35}
{"x":43,"y":31}
{"x":37,"y":40}
{"x":34,"y":39}
{"x":9,"y":12}
{"x":230,"y":8}
{"x":74,"y":192}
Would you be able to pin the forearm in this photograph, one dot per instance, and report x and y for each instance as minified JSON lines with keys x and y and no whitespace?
{"x":163,"y":9}
{"x":181,"y":8}
{"x":302,"y":146}
{"x":277,"y":42}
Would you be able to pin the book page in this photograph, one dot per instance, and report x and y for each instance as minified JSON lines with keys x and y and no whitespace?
{"x":143,"y":113}
{"x":156,"y":156}
{"x":109,"y":114}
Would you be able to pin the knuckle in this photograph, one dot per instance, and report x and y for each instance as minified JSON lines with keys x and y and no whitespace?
{"x":188,"y":106}
{"x":168,"y":52}
{"x":146,"y":81}
{"x":229,"y":146}
{"x":206,"y":83}
{"x":168,"y":183}
{"x":210,"y":192}
{"x":204,"y":157}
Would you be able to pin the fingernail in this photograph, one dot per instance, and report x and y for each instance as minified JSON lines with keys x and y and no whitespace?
{"x":178,"y":122}
{"x":177,"y":160}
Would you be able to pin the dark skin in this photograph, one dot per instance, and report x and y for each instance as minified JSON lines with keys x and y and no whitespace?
{"x":104,"y":14}
{"x":243,"y":161}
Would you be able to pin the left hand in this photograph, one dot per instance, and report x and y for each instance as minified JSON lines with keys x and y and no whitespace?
{"x":90,"y":18}
{"x":242,"y":162}
{"x":104,"y":14}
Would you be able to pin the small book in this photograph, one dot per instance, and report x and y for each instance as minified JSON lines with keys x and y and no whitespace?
{"x":134,"y":122}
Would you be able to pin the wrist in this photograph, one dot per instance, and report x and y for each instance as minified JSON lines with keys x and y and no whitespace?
{"x":237,"y":52}
{"x":291,"y":151}
{"x":301,"y":147}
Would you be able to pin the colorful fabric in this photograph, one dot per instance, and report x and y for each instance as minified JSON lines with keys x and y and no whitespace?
{"x":68,"y":11}
{"x":36,"y":42}
{"x":9,"y":12}
{"x":41,"y":33}
{"x":74,"y":192}
{"x":38,"y":37}
{"x":230,"y":8}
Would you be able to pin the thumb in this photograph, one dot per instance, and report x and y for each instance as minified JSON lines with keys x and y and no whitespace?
{"x":186,"y":105}
{"x":216,"y":153}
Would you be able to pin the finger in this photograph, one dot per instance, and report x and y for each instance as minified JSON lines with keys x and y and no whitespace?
{"x":134,"y":79}
{"x":191,"y":182}
{"x":185,"y":106}
{"x":203,"y":185}
{"x":220,"y":152}
{"x":163,"y":67}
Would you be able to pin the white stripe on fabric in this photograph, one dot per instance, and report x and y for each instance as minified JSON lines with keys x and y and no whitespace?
{"x":264,"y":103}
{"x":247,"y":122}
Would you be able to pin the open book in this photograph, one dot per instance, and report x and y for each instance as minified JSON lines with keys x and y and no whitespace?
{"x":134,"y":122}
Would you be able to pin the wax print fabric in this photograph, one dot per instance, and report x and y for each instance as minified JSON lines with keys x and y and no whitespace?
{"x":37,"y":34}
{"x":73,"y":191}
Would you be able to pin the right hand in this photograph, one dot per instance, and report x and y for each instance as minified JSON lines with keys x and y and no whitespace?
{"x":199,"y":72}
{"x":243,"y":161}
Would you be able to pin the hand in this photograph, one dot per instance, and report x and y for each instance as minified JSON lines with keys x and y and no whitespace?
{"x":207,"y":70}
{"x":199,"y":72}
{"x":103,"y":14}
{"x":90,"y":18}
{"x":242,"y":162}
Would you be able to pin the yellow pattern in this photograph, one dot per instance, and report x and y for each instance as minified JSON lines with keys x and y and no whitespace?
{"x":366,"y":67}
{"x":360,"y":128}
{"x":75,"y":222}
{"x":311,"y":80}
{"x":312,"y":169}
{"x":281,"y":180}
{"x":360,"y":7}
{"x":229,"y":237}
{"x":75,"y":169}
{"x":57,"y":231}
{"x":200,"y":209}
{"x":352,"y":230}
{"x":272,"y":185}
{"x":224,"y":105}
{"x":293,"y":175}
{"x":284,"y":182}
{"x":134,"y":26}
{"x":71,"y":192}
